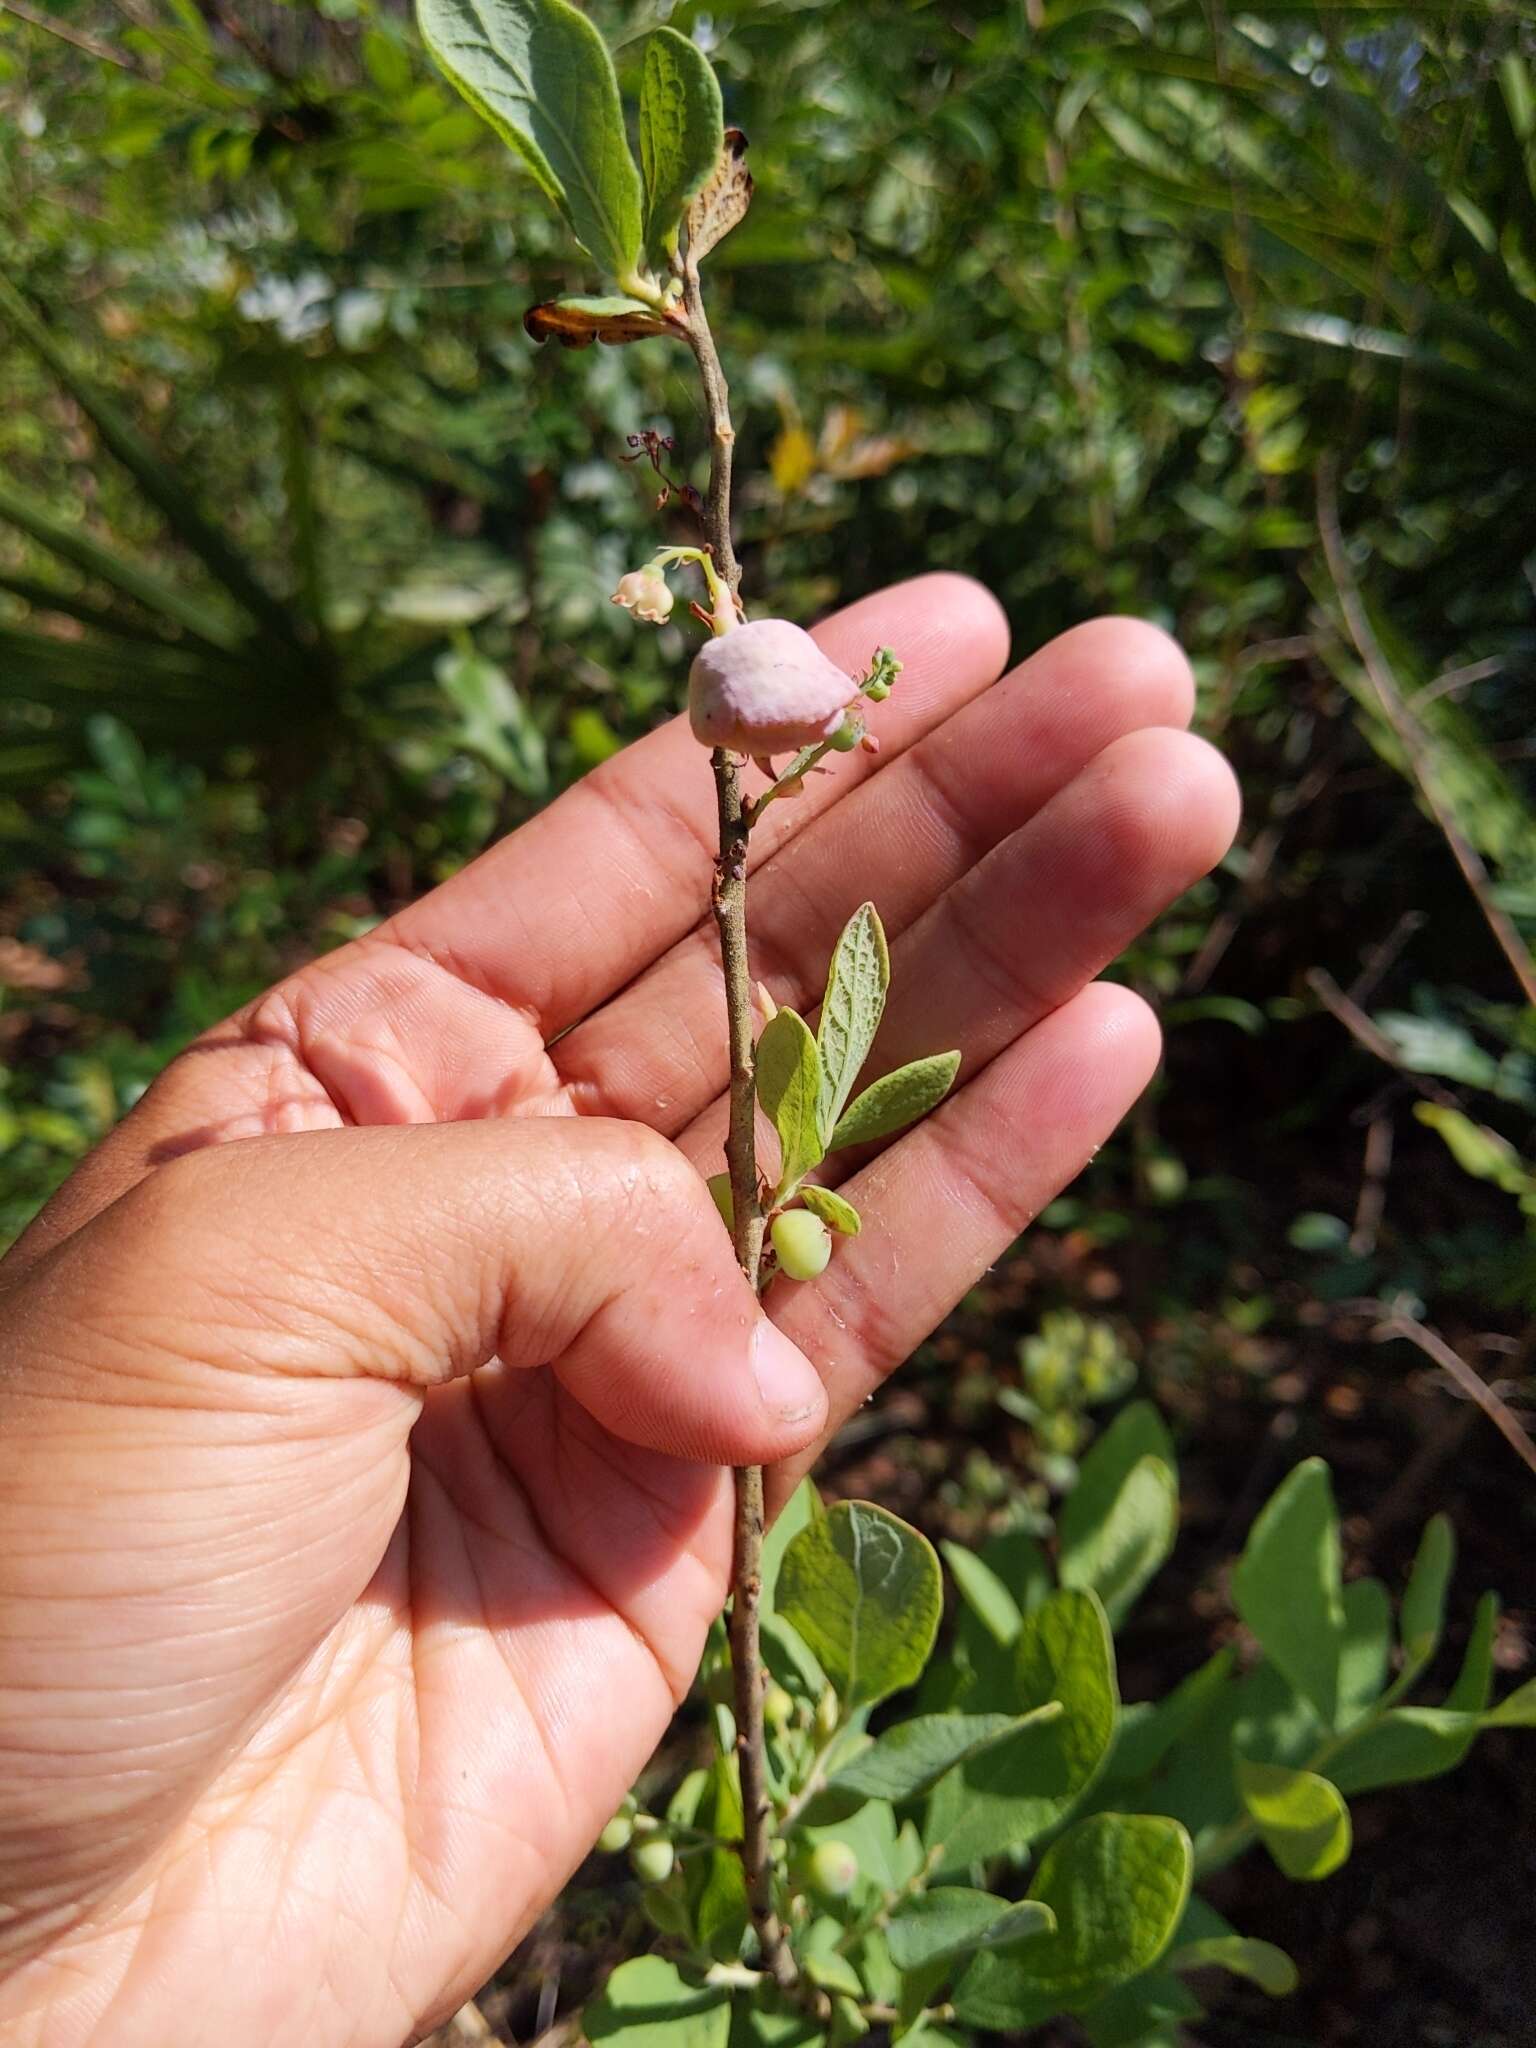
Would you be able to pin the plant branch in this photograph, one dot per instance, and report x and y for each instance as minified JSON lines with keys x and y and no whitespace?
{"x":729,"y":902}
{"x":1412,"y":737}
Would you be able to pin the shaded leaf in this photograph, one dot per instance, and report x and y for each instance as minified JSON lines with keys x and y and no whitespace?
{"x":1259,"y":1961}
{"x":1365,"y":1648}
{"x":1117,"y":1884}
{"x":1009,"y":1793}
{"x":908,"y":1757}
{"x":1287,"y":1585}
{"x":983,"y":1593}
{"x":1120,"y":1520}
{"x":1423,"y":1612}
{"x":951,"y":1920}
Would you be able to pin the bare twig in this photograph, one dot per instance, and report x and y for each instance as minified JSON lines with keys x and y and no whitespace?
{"x":1372,"y":1202}
{"x":1395,"y":1322}
{"x":729,"y":901}
{"x":52,"y":26}
{"x":1411,"y":735}
{"x":1368,"y":1033}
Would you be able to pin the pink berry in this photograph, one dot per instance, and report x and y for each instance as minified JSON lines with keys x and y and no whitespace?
{"x":765,"y":688}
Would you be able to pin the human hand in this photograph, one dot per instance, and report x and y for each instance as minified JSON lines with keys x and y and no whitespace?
{"x":330,"y":1648}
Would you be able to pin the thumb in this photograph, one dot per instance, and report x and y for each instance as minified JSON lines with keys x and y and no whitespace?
{"x":415,"y":1253}
{"x":205,"y":1403}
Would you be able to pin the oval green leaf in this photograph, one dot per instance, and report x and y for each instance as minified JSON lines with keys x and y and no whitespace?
{"x":897,"y":1100}
{"x":1302,"y":1818}
{"x":540,"y":73}
{"x":865,"y":1592}
{"x":1117,"y":1884}
{"x":851,"y":1009}
{"x":952,"y":1920}
{"x":1287,"y":1585}
{"x":788,"y":1082}
{"x":682,"y":132}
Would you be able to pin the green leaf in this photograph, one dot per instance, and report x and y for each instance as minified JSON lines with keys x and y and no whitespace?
{"x":540,"y":73}
{"x":1009,"y":1793}
{"x":1120,"y":1520}
{"x":1117,"y":1884}
{"x":1364,"y":1649}
{"x":1302,"y":1818}
{"x":1517,"y":1711}
{"x":951,"y":1920}
{"x":833,"y":1210}
{"x":493,"y":720}
{"x":653,"y":2005}
{"x":1142,"y":2014}
{"x":910,"y":1756}
{"x":802,"y":1508}
{"x":983,"y":1593}
{"x":788,"y":1080}
{"x":866,"y":1593}
{"x":1148,"y":1733}
{"x":1259,"y":1961}
{"x":857,"y":980}
{"x":1406,"y":1746}
{"x":897,"y":1100}
{"x":1474,"y":1681}
{"x":1424,"y":1598}
{"x":682,"y":132}
{"x":1287,"y":1585}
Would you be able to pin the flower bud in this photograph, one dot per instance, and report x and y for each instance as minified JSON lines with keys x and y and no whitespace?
{"x":802,"y":1243}
{"x":765,"y":688}
{"x":878,"y":690}
{"x":645,"y":592}
{"x":833,"y":1870}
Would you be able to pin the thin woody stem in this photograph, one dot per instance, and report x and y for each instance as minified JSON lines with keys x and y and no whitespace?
{"x":729,"y":901}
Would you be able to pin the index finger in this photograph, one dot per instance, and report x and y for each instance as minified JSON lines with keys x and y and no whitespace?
{"x":569,"y":909}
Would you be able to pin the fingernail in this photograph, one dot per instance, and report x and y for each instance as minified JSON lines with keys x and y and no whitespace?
{"x":788,"y":1382}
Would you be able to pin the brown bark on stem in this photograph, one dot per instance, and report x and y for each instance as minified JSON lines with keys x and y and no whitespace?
{"x":729,"y":901}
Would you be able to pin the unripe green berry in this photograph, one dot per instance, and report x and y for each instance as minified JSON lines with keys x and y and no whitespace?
{"x":778,"y":1708}
{"x":802,"y":1243}
{"x":833,"y":1870}
{"x":652,"y":1858}
{"x":847,"y":736}
{"x":616,"y":1835}
{"x":828,"y":1713}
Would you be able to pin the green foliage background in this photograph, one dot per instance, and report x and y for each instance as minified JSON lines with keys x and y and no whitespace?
{"x":305,"y":555}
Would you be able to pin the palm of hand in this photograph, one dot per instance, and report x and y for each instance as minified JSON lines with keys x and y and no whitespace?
{"x":475,"y":1607}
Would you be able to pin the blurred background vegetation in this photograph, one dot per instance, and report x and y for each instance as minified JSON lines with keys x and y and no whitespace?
{"x":1225,"y":319}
